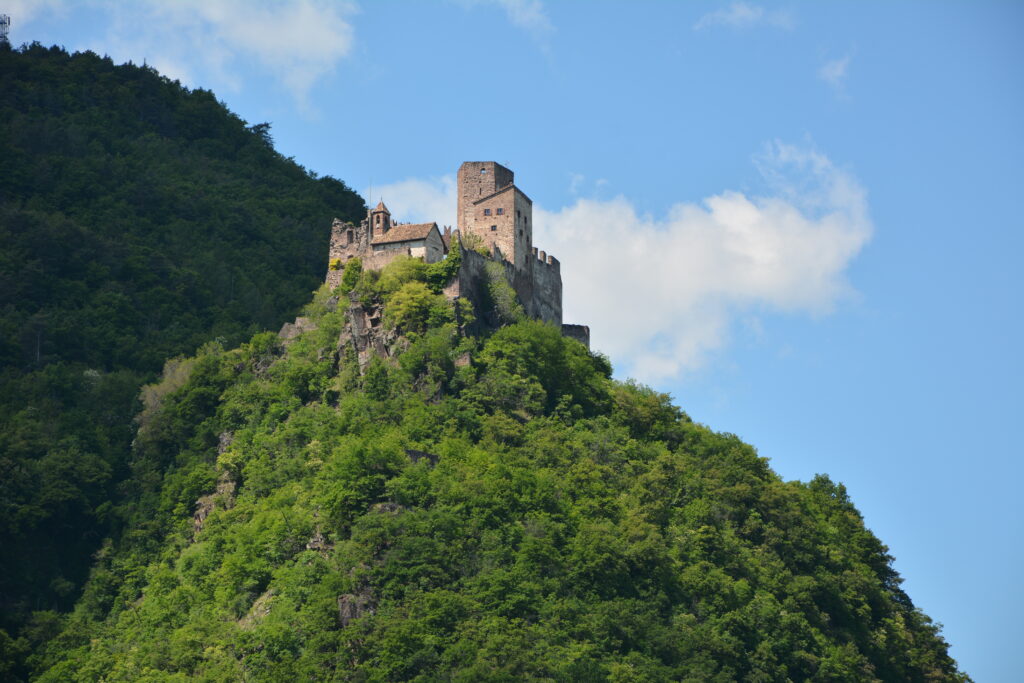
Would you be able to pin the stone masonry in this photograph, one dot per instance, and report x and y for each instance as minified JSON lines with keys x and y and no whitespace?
{"x":491,"y":207}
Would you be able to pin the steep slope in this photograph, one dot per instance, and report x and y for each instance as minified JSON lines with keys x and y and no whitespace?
{"x":138,"y":220}
{"x":452,"y":508}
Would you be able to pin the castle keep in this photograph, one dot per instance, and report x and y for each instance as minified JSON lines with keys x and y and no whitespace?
{"x":496,"y":213}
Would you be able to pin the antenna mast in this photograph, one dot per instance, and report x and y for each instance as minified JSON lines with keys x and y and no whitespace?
{"x":5,"y":25}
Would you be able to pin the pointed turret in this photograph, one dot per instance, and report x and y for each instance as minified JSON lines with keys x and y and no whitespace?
{"x":380,"y":219}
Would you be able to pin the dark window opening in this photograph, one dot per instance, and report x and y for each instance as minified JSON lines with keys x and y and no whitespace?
{"x":517,"y":213}
{"x":494,"y":228}
{"x":501,"y":212}
{"x":487,"y":212}
{"x":520,"y":232}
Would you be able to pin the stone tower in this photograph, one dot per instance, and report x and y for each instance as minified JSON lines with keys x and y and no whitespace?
{"x":380,"y":220}
{"x":493,"y":208}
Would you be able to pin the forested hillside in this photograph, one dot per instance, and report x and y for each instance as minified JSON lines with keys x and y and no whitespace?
{"x":138,"y":220}
{"x":468,"y":509}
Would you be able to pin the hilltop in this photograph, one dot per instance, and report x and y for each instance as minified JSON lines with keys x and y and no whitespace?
{"x":458,"y":507}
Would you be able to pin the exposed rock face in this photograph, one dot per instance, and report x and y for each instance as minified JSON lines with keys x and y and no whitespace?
{"x":224,"y":442}
{"x":290,"y":331}
{"x":364,"y":333}
{"x":260,"y":609}
{"x":319,"y":542}
{"x":387,"y":508}
{"x":580,"y":333}
{"x":223,"y":496}
{"x":352,"y":606}
{"x":415,"y":456}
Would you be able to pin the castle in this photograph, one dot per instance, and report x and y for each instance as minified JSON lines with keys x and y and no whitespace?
{"x":500,"y":217}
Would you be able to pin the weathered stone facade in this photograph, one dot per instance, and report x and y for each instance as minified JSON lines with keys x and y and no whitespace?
{"x":378,"y":240}
{"x":491,"y":207}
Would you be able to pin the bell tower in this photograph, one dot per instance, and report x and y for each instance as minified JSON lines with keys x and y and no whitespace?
{"x":380,"y":220}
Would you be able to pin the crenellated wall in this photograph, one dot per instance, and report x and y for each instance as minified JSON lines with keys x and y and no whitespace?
{"x":538,"y":289}
{"x":547,"y":287}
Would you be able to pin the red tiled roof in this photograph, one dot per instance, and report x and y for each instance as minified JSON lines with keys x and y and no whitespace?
{"x":405,"y":233}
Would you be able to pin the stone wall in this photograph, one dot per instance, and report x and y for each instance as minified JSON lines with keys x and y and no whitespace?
{"x":493,"y":222}
{"x":539,"y":289}
{"x":478,"y":179}
{"x":505,"y":221}
{"x":534,"y":275}
{"x":523,"y":236}
{"x":470,"y":284}
{"x":547,"y":287}
{"x":433,"y":249}
{"x":347,"y":240}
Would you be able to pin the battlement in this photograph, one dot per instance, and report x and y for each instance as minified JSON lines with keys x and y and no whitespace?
{"x":545,"y":259}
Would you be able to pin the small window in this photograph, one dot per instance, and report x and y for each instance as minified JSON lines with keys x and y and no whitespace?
{"x":520,"y":232}
{"x":517,"y":213}
{"x":494,"y":228}
{"x":501,"y":211}
{"x":487,"y":212}
{"x":483,"y":170}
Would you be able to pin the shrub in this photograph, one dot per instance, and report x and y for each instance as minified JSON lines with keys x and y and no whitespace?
{"x":506,"y":303}
{"x":475,"y":243}
{"x":414,"y":307}
{"x":439,"y":274}
{"x":400,"y":271}
{"x":353,"y":269}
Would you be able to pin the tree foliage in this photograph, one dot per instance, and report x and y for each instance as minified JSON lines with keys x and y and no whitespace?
{"x":522,"y":516}
{"x":138,"y":219}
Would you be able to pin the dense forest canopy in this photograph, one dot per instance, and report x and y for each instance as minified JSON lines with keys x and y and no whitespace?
{"x":490,"y":508}
{"x":138,"y":220}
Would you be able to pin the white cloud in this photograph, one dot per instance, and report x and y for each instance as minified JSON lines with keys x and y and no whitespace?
{"x":744,"y":15}
{"x":415,"y":200}
{"x":834,"y":73}
{"x":529,"y":15}
{"x":661,"y":293}
{"x":24,"y":12}
{"x":295,"y":44}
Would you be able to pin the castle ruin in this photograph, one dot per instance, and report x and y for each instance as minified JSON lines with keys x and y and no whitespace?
{"x":500,"y":217}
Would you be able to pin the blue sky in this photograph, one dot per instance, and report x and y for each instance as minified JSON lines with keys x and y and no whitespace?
{"x":802,"y":220}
